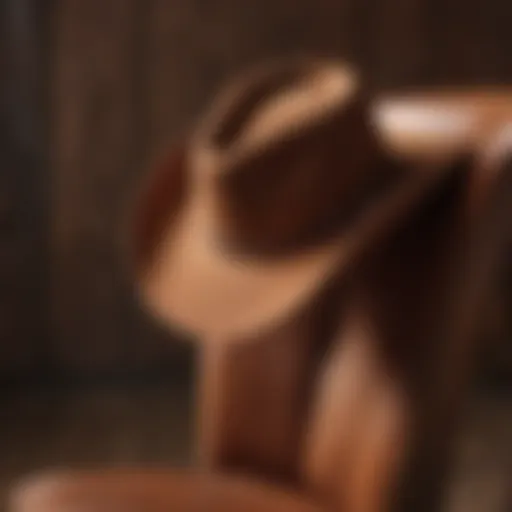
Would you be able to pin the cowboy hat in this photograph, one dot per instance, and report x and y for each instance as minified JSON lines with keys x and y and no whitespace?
{"x":282,"y":184}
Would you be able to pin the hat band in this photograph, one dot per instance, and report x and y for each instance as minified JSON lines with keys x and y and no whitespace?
{"x":347,"y":215}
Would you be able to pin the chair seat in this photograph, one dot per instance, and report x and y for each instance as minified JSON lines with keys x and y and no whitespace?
{"x":152,"y":491}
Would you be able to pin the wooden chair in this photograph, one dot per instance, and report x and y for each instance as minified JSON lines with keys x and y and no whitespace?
{"x":351,"y":405}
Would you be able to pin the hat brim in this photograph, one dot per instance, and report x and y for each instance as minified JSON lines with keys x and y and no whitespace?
{"x":188,"y":282}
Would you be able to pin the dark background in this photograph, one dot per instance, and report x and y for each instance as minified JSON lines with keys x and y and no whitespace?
{"x":91,"y":89}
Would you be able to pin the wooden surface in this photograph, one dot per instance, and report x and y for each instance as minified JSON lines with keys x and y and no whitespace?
{"x":23,"y":193}
{"x":117,"y":80}
{"x":109,"y":427}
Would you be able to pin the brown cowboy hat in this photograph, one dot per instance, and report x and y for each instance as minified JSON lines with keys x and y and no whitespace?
{"x":282,"y":185}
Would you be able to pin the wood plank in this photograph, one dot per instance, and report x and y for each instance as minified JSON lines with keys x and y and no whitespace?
{"x":399,"y":31}
{"x":94,"y":150}
{"x":23,"y":322}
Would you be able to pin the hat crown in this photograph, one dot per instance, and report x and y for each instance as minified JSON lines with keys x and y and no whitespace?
{"x":284,"y":152}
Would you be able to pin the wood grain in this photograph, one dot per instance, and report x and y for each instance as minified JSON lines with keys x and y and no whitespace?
{"x":120,"y":80}
{"x":23,"y":204}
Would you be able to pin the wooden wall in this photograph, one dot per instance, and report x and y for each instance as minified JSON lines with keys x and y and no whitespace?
{"x":23,"y":191}
{"x":124,"y":76}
